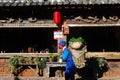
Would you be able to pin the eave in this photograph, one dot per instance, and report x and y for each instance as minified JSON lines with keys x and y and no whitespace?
{"x":46,"y":2}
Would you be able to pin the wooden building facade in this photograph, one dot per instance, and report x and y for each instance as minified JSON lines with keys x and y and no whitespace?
{"x":25,"y":23}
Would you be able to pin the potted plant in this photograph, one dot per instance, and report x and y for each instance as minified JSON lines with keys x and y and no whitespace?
{"x":59,"y":59}
{"x":13,"y":61}
{"x":101,"y":61}
{"x":76,"y":43}
{"x":42,"y":64}
{"x":26,"y":60}
{"x":51,"y":57}
{"x":36,"y":60}
{"x":30,"y":59}
{"x":21,"y":59}
{"x":66,"y":1}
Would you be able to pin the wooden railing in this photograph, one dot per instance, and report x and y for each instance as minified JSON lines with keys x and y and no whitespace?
{"x":107,"y":55}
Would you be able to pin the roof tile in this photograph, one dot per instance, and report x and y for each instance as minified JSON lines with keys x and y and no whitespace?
{"x":56,"y":2}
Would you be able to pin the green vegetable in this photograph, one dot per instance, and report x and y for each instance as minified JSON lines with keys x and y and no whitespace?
{"x":73,"y":39}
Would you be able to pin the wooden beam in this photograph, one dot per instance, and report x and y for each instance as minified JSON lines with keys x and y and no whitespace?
{"x":30,"y":25}
{"x":107,"y":55}
{"x":94,"y":25}
{"x":7,"y":55}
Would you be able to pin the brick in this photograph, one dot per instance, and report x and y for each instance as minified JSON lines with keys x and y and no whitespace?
{"x":1,"y":69}
{"x":2,"y":60}
{"x":27,"y":72}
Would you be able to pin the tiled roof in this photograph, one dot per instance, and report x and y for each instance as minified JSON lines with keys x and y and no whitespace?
{"x":55,"y":2}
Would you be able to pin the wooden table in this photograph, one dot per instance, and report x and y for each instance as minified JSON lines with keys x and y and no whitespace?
{"x":21,"y":67}
{"x":53,"y":64}
{"x":35,"y":68}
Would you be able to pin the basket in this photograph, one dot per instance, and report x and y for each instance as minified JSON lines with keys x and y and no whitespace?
{"x":79,"y":57}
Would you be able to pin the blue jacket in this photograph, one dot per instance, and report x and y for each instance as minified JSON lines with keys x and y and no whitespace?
{"x":70,"y":66}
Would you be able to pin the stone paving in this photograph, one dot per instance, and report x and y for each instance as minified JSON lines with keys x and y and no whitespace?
{"x":53,"y":78}
{"x":30,"y":78}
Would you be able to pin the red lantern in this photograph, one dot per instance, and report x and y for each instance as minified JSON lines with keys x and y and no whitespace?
{"x":57,"y":18}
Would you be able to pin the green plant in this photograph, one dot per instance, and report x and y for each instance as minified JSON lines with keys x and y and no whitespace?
{"x":28,"y":1}
{"x":30,"y":59}
{"x":42,"y":63}
{"x":21,"y":59}
{"x":73,"y":39}
{"x":51,"y":55}
{"x":66,"y":0}
{"x":101,"y":61}
{"x":58,"y":57}
{"x":36,"y":60}
{"x":13,"y":60}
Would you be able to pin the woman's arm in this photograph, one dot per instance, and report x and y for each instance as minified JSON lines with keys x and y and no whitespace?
{"x":65,"y":55}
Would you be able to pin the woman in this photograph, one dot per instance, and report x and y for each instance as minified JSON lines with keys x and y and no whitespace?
{"x":67,"y":57}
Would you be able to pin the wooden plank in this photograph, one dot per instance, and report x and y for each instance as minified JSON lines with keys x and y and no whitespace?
{"x":30,"y":25}
{"x":94,"y":25}
{"x":54,"y":26}
{"x":7,"y":55}
{"x":107,"y":55}
{"x":33,"y":25}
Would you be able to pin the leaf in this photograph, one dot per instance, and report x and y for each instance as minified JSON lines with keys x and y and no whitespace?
{"x":73,"y":39}
{"x":42,"y":63}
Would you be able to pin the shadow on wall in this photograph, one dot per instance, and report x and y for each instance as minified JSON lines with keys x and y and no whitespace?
{"x":16,"y":78}
{"x":92,"y":71}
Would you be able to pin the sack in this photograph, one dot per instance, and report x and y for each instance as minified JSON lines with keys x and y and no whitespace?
{"x":76,"y":45}
{"x":79,"y":57}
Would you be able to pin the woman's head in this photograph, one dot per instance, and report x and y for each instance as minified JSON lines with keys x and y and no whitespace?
{"x":62,"y":43}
